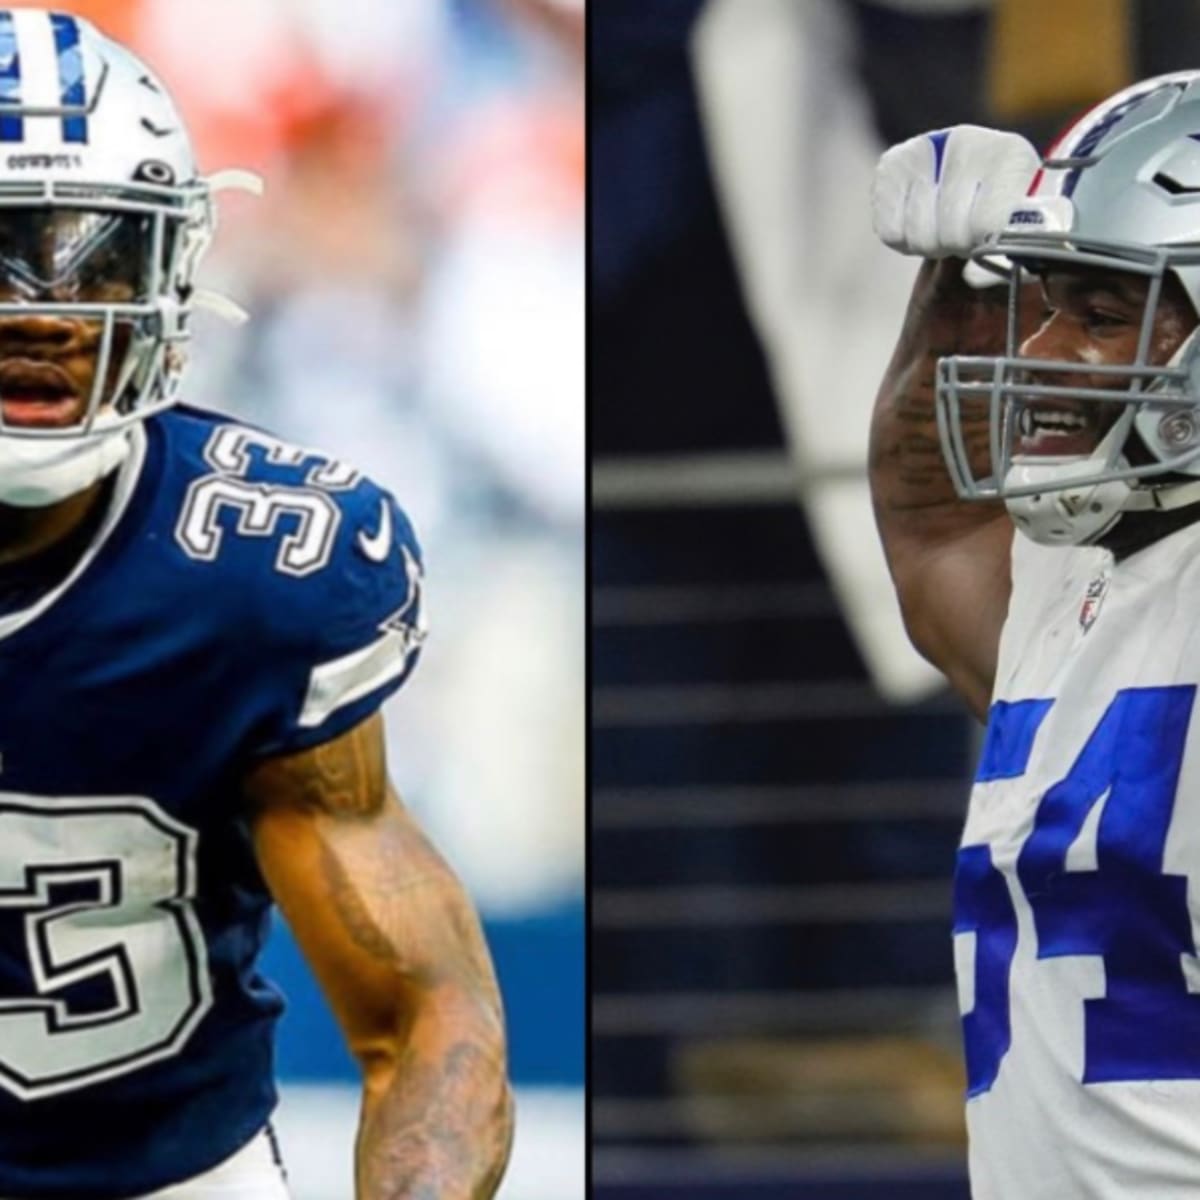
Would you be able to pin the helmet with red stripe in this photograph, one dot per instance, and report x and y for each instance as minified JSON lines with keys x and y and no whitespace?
{"x":1118,"y":196}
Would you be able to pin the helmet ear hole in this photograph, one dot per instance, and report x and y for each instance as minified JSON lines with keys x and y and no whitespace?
{"x":155,"y":171}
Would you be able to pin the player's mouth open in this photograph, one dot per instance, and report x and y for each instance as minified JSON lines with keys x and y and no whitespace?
{"x":1061,"y":430}
{"x":38,"y":395}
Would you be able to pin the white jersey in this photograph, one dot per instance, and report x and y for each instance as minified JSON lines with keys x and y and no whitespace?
{"x":1077,"y":895}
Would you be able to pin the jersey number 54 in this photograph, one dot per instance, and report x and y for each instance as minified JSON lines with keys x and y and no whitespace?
{"x":1092,"y":873}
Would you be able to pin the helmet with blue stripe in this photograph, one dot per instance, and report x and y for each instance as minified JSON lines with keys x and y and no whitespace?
{"x":1118,"y":195}
{"x":98,"y":183}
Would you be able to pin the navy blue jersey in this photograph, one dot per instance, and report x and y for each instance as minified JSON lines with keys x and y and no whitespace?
{"x":243,"y":598}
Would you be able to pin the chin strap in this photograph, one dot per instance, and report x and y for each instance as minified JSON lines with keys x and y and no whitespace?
{"x":220,"y":305}
{"x":39,"y":472}
{"x":235,"y":179}
{"x":1166,"y":498}
{"x":232,"y":179}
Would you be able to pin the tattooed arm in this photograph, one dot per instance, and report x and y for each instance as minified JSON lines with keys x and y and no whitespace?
{"x":397,"y":949}
{"x":949,"y":559}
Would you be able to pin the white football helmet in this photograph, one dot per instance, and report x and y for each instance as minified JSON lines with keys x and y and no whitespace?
{"x":1119,"y":191}
{"x":97,"y":180}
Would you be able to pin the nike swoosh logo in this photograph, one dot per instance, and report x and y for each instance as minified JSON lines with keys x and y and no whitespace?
{"x":378,"y":548}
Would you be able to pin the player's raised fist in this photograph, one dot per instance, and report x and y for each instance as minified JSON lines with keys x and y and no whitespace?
{"x":940,"y":194}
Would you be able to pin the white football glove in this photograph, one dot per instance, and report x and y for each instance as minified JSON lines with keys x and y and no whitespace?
{"x":939,"y":194}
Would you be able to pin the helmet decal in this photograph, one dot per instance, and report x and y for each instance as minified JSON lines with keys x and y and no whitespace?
{"x":70,"y":95}
{"x":71,"y":75}
{"x":1108,"y":121}
{"x":12,"y":129}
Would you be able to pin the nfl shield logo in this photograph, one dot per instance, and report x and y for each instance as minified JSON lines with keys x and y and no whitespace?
{"x":1092,"y":599}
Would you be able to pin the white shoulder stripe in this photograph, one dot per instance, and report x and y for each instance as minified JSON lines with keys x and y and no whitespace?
{"x":333,"y":685}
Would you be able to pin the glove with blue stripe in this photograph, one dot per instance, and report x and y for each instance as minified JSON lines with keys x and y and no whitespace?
{"x":940,"y":194}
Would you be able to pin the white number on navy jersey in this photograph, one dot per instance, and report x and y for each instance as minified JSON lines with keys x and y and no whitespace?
{"x":229,"y":452}
{"x":99,"y":892}
{"x":262,"y":508}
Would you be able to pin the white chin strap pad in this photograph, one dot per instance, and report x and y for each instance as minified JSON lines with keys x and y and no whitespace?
{"x":36,"y":473}
{"x":1063,"y":515}
{"x":1066,"y":516}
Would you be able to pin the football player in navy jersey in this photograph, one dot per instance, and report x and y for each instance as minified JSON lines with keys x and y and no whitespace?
{"x":198,"y":624}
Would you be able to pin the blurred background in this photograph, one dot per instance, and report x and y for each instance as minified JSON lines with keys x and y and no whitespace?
{"x":415,"y":275}
{"x":779,"y":783}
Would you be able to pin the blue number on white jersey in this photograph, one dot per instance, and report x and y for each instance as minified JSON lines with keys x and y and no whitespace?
{"x":982,"y":906}
{"x":1125,"y":909}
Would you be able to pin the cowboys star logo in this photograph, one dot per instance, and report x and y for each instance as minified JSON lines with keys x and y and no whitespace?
{"x":408,"y":621}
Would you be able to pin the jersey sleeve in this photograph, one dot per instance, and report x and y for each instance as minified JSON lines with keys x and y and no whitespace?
{"x":350,"y":636}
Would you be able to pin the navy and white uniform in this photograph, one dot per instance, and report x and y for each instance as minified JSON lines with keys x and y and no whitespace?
{"x":241,"y":598}
{"x":1077,"y":897}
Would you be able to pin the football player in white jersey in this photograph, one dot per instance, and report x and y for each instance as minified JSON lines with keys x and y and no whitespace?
{"x":1035,"y":466}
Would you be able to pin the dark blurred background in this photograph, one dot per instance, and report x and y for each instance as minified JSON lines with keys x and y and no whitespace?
{"x":778,"y":785}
